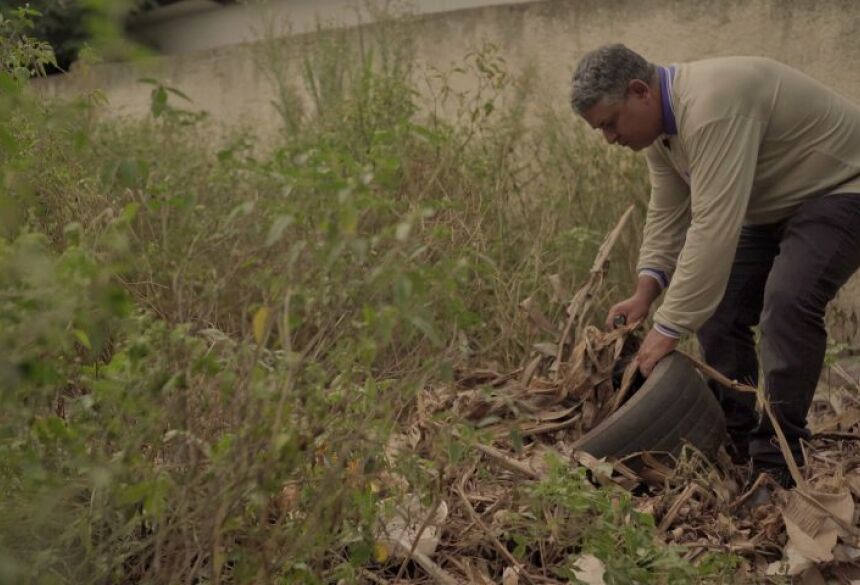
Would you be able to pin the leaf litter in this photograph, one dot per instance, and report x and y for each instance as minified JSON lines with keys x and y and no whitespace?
{"x":524,"y":418}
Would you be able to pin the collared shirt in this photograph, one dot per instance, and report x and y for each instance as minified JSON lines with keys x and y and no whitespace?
{"x":667,"y":78}
{"x":754,"y":139}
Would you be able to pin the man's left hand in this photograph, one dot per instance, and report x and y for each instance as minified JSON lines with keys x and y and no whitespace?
{"x":655,"y":347}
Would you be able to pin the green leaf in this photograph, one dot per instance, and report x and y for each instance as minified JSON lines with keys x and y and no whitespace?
{"x":276,"y":232}
{"x":426,"y":328}
{"x":260,"y":323}
{"x":129,"y":212}
{"x":132,"y":173}
{"x":83,"y":338}
{"x":158,"y":101}
{"x":135,"y":493}
{"x":178,"y":93}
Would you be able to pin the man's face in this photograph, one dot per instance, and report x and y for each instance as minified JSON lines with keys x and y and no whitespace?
{"x":635,"y":121}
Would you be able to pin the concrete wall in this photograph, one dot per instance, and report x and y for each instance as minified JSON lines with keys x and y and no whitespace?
{"x":196,"y":25}
{"x":819,"y":38}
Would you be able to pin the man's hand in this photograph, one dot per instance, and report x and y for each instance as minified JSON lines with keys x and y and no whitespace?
{"x":632,"y":309}
{"x":637,"y":306}
{"x":655,"y":347}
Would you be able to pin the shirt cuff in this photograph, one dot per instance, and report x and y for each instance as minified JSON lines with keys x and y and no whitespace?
{"x":667,"y":331}
{"x":657,"y":275}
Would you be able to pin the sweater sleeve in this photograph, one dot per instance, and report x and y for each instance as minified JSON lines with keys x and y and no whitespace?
{"x":667,"y":218}
{"x":723,"y":157}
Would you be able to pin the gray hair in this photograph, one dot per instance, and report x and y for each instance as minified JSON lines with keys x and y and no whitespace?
{"x":605,"y":72}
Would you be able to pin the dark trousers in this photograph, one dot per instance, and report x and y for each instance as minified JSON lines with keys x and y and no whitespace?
{"x":782,"y":279}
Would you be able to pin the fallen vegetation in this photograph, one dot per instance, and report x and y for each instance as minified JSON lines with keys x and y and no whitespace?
{"x":661,"y":522}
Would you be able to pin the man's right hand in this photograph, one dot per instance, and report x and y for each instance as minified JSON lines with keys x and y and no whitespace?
{"x":632,"y":309}
{"x":637,"y":306}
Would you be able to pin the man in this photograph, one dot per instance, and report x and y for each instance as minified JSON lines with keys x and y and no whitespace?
{"x":754,"y":219}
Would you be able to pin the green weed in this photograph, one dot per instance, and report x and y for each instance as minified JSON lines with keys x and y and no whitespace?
{"x":604,"y":522}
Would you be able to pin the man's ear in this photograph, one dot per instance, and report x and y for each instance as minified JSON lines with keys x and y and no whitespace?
{"x":638,"y":88}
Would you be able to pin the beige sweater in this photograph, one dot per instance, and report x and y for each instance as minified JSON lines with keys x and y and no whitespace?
{"x":755,"y":139}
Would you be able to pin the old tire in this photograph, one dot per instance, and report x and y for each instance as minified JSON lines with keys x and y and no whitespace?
{"x":673,"y":407}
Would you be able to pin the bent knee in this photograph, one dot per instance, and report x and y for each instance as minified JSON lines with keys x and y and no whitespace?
{"x":787,"y":303}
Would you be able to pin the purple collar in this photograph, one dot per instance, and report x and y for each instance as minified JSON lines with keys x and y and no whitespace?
{"x":667,"y":77}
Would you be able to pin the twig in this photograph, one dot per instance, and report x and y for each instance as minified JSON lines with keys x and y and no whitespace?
{"x":506,"y":554}
{"x":837,"y":435}
{"x":845,"y":376}
{"x":370,"y":576}
{"x":717,"y":376}
{"x":551,"y":427}
{"x":508,"y":463}
{"x":694,"y":553}
{"x":723,"y":547}
{"x":748,"y":494}
{"x":537,"y":428}
{"x":670,"y":516}
{"x":438,"y":573}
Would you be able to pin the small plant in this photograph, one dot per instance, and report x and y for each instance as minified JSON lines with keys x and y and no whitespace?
{"x":604,"y":523}
{"x":160,"y":108}
{"x":22,"y":56}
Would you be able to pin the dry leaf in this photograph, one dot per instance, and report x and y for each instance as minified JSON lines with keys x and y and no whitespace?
{"x":818,"y":546}
{"x":840,"y":504}
{"x":589,"y":569}
{"x":510,"y":576}
{"x":846,"y":554}
{"x":546,"y":348}
{"x":812,"y":532}
{"x":601,"y":468}
{"x":403,"y":523}
{"x":793,"y":563}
